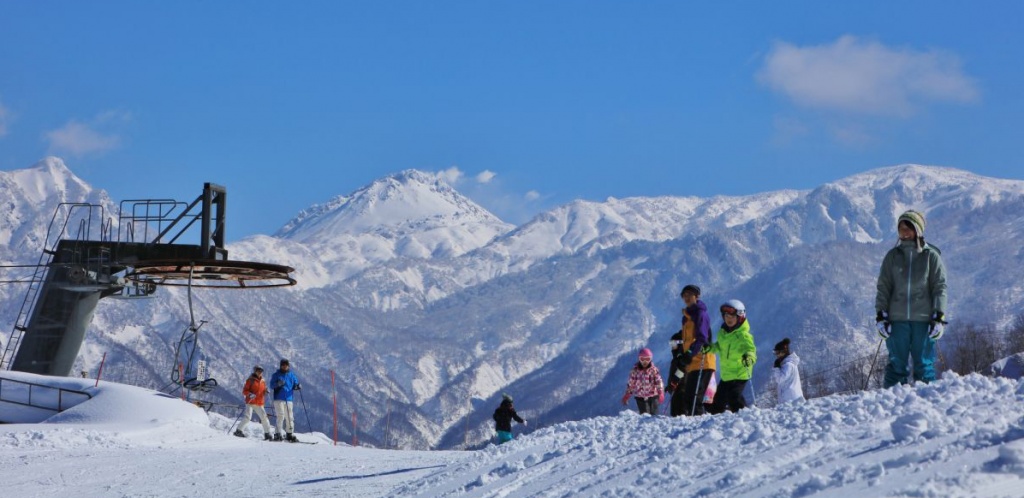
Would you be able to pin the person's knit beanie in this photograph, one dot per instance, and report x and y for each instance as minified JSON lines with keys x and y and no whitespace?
{"x":916,"y":220}
{"x":783,"y":345}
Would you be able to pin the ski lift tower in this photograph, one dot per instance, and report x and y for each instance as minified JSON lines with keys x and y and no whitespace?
{"x":83,"y":261}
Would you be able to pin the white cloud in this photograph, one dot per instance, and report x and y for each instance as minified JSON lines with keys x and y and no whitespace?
{"x":450,"y":175}
{"x":487,"y":189}
{"x":5,"y":119}
{"x":78,"y":138}
{"x":865,"y":77}
{"x":485,"y":176}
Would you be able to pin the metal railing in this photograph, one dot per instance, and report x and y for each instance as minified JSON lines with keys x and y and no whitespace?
{"x":56,"y":399}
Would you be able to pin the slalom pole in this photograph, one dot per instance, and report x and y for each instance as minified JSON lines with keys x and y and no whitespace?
{"x":871,"y":371}
{"x":100,"y":373}
{"x":304,"y":410}
{"x":335,"y":391}
{"x":387,"y":426}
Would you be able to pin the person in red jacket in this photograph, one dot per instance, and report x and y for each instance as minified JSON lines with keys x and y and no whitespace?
{"x":253,"y":391}
{"x":645,"y":384}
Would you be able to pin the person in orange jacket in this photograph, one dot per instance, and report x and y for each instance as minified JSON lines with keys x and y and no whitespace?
{"x":253,"y":391}
{"x":691,"y":370}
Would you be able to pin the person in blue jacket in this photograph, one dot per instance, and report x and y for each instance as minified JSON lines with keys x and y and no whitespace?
{"x":284,"y":384}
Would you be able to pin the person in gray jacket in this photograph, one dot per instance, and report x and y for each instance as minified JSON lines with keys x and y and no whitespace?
{"x":910,"y":302}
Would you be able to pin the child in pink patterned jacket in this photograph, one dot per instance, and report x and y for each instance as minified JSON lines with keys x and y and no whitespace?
{"x":645,"y":385}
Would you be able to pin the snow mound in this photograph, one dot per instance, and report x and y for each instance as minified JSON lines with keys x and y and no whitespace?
{"x":929,"y":440}
{"x":105,"y":403}
{"x":961,"y":436}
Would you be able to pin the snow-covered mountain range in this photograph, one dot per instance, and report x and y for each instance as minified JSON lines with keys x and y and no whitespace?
{"x":427,"y":307}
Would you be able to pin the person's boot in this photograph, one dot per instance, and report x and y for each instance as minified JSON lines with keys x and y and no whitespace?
{"x":277,"y":437}
{"x":267,"y":436}
{"x":239,"y":433}
{"x":291,"y":438}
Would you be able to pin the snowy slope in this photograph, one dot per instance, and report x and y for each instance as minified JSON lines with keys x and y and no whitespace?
{"x":959,"y":437}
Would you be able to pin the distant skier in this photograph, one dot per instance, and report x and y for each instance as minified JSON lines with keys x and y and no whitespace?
{"x":253,"y":391}
{"x":284,"y":384}
{"x":503,"y":417}
{"x":691,"y":370}
{"x":786,"y":373}
{"x":910,"y":302}
{"x":736,"y":356}
{"x":645,"y":385}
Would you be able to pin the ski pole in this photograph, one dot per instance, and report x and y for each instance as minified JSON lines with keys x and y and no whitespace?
{"x":304,"y":410}
{"x":236,"y":419}
{"x":871,"y":371}
{"x":696,"y":389}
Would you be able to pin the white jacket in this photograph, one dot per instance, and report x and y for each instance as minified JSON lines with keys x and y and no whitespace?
{"x":787,"y":377}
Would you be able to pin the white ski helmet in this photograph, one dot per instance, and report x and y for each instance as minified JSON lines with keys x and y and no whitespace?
{"x":733,"y":306}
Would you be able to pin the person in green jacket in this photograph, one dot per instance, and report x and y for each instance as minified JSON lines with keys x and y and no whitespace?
{"x":736,"y":357}
{"x":910,"y":302}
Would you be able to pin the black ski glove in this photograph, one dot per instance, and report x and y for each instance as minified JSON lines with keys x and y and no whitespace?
{"x":937,"y":325}
{"x":883,"y":324}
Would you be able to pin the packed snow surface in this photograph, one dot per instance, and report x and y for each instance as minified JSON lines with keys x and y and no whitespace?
{"x":961,"y":436}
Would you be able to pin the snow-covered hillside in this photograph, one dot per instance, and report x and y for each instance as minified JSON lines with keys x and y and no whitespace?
{"x":426,"y":307}
{"x":959,"y":437}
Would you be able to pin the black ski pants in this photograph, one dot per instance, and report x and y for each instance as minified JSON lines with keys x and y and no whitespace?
{"x":729,"y":396}
{"x":695,"y":384}
{"x":647,"y":405}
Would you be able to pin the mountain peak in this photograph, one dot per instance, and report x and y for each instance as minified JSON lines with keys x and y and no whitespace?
{"x":925,"y":187}
{"x":410,"y":199}
{"x":409,"y":214}
{"x":47,"y":180}
{"x":33,"y":194}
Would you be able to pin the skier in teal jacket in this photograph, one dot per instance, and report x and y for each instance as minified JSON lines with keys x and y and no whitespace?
{"x":910,"y":302}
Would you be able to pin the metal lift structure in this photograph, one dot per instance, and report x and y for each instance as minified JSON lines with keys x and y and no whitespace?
{"x":85,"y":258}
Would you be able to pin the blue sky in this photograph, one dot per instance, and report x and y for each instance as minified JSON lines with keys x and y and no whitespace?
{"x":525,"y":105}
